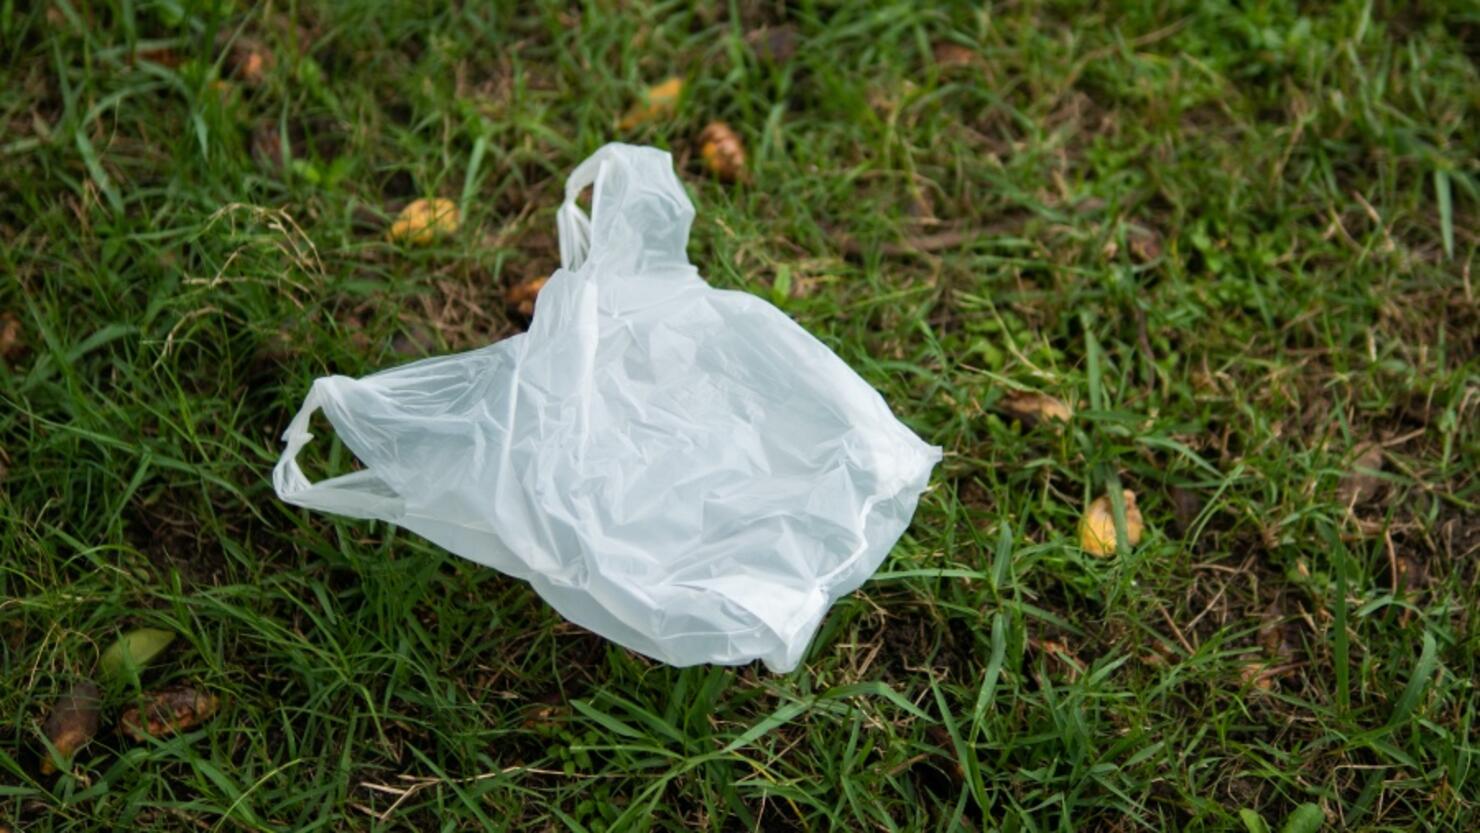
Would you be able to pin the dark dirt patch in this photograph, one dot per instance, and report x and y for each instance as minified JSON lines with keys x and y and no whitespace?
{"x":462,"y":306}
{"x":464,"y":312}
{"x":164,"y":525}
{"x":398,"y":185}
{"x":913,"y":638}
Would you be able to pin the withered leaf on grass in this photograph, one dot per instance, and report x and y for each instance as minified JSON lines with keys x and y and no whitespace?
{"x":1097,"y":527}
{"x":1145,"y":243}
{"x":423,"y":221}
{"x":1412,"y":574}
{"x":723,"y":152}
{"x":543,"y":717}
{"x":1031,"y":407}
{"x":73,"y":722}
{"x":1361,"y":482}
{"x":1260,"y":675}
{"x":659,"y":102}
{"x":1272,"y":630}
{"x":10,"y":336}
{"x":168,"y":711}
{"x":1060,"y":657}
{"x":248,"y":59}
{"x":950,"y":54}
{"x":254,"y":62}
{"x":521,"y":296}
{"x":164,"y":56}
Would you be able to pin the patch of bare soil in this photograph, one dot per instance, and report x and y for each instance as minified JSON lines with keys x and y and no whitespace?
{"x":164,"y":525}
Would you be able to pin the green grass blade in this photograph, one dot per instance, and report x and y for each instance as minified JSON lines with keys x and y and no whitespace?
{"x":1307,"y":818}
{"x":1419,"y":682}
{"x":1446,"y":211}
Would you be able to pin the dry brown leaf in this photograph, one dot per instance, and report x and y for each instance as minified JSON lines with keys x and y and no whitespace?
{"x":723,"y":152}
{"x":163,"y":56}
{"x":1059,"y":657}
{"x":254,"y":66}
{"x":72,"y":723}
{"x":1272,"y":629}
{"x":1361,"y":483}
{"x":1412,"y":574}
{"x":1257,"y":674}
{"x":1279,"y":636}
{"x":544,"y":717}
{"x":1157,"y":656}
{"x":1031,"y":407}
{"x":10,"y":336}
{"x":659,"y":102}
{"x":1097,"y":527}
{"x":423,"y":221}
{"x":948,"y":54}
{"x":522,"y":296}
{"x":1145,"y":244}
{"x":168,"y":711}
{"x":249,"y":60}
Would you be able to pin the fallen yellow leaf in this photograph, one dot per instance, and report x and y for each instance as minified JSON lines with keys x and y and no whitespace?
{"x":423,"y":221}
{"x":1097,"y":527}
{"x":723,"y":151}
{"x":659,"y":102}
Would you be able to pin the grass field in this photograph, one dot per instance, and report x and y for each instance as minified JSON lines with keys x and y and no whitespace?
{"x":1237,"y":238}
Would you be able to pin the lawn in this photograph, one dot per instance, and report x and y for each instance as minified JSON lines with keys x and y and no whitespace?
{"x":1235,"y":239}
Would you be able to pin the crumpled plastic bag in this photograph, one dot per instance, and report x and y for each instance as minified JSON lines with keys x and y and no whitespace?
{"x":681,"y":469}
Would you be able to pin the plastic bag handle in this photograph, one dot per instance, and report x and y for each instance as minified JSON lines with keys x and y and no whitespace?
{"x":574,"y":225}
{"x":360,"y":494}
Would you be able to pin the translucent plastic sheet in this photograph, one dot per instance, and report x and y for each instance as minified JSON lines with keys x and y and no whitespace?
{"x":681,"y":469}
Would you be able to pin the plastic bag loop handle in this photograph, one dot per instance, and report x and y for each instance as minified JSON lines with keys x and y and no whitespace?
{"x":360,"y":494}
{"x":574,"y":225}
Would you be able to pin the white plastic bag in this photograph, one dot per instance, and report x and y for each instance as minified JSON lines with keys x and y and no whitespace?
{"x":680,"y":469}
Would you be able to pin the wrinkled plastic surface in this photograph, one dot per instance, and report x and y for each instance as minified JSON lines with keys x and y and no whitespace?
{"x":681,"y":469}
